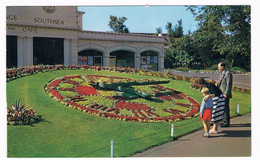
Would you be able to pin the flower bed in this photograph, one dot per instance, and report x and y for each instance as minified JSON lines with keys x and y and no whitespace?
{"x":14,"y":73}
{"x":83,"y":90}
{"x":83,"y":93}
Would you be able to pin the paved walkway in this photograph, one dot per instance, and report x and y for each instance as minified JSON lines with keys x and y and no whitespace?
{"x":242,"y":80}
{"x":230,"y":142}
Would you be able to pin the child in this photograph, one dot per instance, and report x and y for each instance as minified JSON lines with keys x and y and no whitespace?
{"x":205,"y":111}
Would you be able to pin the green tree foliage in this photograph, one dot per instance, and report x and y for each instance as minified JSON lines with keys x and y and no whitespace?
{"x":117,"y":24}
{"x":225,"y":32}
{"x":158,"y":30}
{"x":180,"y":50}
{"x":176,"y":32}
{"x":168,"y":27}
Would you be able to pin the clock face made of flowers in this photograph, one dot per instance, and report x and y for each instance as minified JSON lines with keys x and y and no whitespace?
{"x":123,"y":98}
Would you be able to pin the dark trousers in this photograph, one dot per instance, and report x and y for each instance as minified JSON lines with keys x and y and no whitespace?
{"x":226,"y":119}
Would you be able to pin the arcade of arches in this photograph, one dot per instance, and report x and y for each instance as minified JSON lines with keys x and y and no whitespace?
{"x":147,"y":59}
{"x":55,"y":51}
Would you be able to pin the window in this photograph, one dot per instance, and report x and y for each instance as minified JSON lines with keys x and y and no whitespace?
{"x":11,"y":51}
{"x":123,"y":58}
{"x":149,"y":60}
{"x":90,"y":57}
{"x":48,"y":51}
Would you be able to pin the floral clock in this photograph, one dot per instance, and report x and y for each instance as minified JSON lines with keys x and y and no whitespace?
{"x":123,"y":98}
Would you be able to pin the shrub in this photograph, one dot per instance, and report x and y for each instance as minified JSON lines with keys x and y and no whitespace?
{"x":234,"y":88}
{"x":185,"y":78}
{"x":237,"y":69}
{"x":214,"y":67}
{"x":195,"y":85}
{"x":20,"y":114}
{"x":182,"y":69}
{"x":245,"y":90}
{"x":178,"y":77}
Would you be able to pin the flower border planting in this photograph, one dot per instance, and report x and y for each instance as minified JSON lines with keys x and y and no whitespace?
{"x":15,"y":73}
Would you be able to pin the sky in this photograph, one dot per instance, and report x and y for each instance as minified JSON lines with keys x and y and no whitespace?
{"x":140,"y":19}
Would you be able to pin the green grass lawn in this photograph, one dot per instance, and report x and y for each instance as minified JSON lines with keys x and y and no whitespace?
{"x":71,"y":133}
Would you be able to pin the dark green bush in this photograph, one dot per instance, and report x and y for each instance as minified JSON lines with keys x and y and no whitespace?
{"x":214,"y":67}
{"x":238,"y":69}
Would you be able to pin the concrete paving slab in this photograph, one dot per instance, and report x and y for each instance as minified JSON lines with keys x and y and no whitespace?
{"x":233,"y":141}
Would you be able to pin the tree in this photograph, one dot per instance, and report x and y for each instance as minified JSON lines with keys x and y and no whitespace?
{"x":177,"y":52}
{"x":168,"y":27}
{"x":176,"y":32}
{"x":184,"y":50}
{"x":207,"y":40}
{"x":178,"y":29}
{"x":182,"y":53}
{"x":158,"y":30}
{"x":228,"y":27}
{"x":117,"y":24}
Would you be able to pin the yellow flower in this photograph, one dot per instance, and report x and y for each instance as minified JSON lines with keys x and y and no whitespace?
{"x":106,"y":93}
{"x":85,"y":84}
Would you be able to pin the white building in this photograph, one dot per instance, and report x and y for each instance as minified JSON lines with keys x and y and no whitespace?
{"x":54,"y":35}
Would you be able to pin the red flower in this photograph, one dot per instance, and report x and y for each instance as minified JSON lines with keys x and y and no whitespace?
{"x":55,"y":83}
{"x":183,"y":105}
{"x":76,"y":105}
{"x":71,"y":82}
{"x":69,"y":77}
{"x":56,"y":94}
{"x":84,"y":90}
{"x":132,"y":106}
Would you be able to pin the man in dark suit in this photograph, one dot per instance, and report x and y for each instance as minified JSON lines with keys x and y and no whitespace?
{"x":225,"y":85}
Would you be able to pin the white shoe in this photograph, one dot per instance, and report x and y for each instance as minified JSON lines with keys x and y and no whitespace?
{"x":215,"y":132}
{"x":206,"y":135}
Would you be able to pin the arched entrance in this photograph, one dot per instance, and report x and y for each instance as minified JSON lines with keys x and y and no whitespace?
{"x":149,"y":60}
{"x":90,"y":57}
{"x":121,"y":58}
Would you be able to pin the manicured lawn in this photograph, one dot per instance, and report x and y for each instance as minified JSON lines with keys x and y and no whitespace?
{"x":71,"y":133}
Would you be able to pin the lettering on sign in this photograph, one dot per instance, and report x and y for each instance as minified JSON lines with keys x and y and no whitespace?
{"x":10,"y":28}
{"x":48,"y":21}
{"x":29,"y":29}
{"x":11,"y":17}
